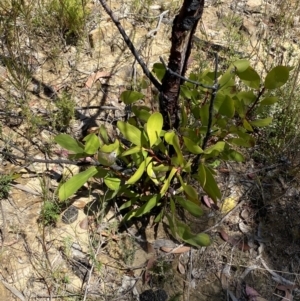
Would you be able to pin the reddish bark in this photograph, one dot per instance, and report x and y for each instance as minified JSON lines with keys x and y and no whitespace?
{"x":184,"y":26}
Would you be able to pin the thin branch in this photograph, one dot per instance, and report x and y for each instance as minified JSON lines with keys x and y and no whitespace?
{"x":130,"y":45}
{"x":154,"y":31}
{"x":184,"y":78}
{"x":210,"y":115}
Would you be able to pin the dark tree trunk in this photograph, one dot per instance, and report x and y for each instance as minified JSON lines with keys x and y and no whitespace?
{"x":184,"y":27}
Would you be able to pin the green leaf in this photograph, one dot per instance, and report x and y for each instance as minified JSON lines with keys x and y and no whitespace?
{"x":219,"y":146}
{"x":184,"y":232}
{"x":192,"y":147}
{"x":159,"y":70}
{"x":247,"y":125}
{"x":138,"y":174}
{"x":141,"y":114}
{"x":69,"y":143}
{"x":129,"y":97}
{"x":241,"y":65}
{"x":168,"y":181}
{"x":233,"y":155}
{"x":262,"y":122}
{"x":186,"y":92}
{"x":147,"y":207}
{"x":154,"y":127}
{"x":191,"y":193}
{"x":269,"y":101}
{"x":227,"y":107}
{"x":130,"y":132}
{"x":248,"y":97}
{"x":92,"y":144}
{"x":178,"y":150}
{"x":68,"y":188}
{"x":190,"y":206}
{"x":210,"y":187}
{"x":108,"y":148}
{"x":132,"y":150}
{"x":128,"y":204}
{"x":151,"y":173}
{"x":169,"y":137}
{"x":103,"y":134}
{"x":226,"y":79}
{"x":204,"y":113}
{"x":112,"y":183}
{"x":277,"y":77}
{"x":240,"y":107}
{"x":250,"y":78}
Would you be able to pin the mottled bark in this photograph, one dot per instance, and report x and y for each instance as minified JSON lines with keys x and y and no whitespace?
{"x":184,"y":27}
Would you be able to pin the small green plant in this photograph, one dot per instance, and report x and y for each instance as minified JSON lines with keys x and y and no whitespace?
{"x":5,"y":180}
{"x":164,"y":170}
{"x":49,"y":213}
{"x":65,"y":112}
{"x":70,"y":16}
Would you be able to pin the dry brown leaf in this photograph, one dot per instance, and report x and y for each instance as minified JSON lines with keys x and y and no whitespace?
{"x":176,"y":250}
{"x":181,"y":268}
{"x":243,"y":246}
{"x":94,"y":77}
{"x":84,"y":224}
{"x":208,"y":202}
{"x":251,"y":293}
{"x":288,"y":291}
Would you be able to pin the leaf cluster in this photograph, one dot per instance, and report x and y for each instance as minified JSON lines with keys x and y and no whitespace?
{"x":156,"y":173}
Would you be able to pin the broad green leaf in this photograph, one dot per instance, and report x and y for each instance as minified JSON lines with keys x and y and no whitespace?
{"x":248,"y":97}
{"x":190,"y":206}
{"x":250,"y":78}
{"x":108,"y":148}
{"x":159,"y":70}
{"x":191,"y":193}
{"x":192,"y":147}
{"x":68,"y":188}
{"x":202,"y":175}
{"x":204,"y":113}
{"x":210,"y":187}
{"x":226,"y":78}
{"x":262,"y":122}
{"x":147,"y":207}
{"x":241,"y":65}
{"x":130,"y":132}
{"x":227,"y":107}
{"x":233,"y":155}
{"x":151,"y":173}
{"x":131,"y":151}
{"x":69,"y":143}
{"x":162,"y":168}
{"x":277,"y":77}
{"x":107,"y":159}
{"x":92,"y":144}
{"x":240,"y":107}
{"x":269,"y":101}
{"x":128,"y":204}
{"x":159,"y":216}
{"x":138,"y":173}
{"x":169,"y":137}
{"x":186,"y":92}
{"x":247,"y":125}
{"x":177,"y":149}
{"x":184,"y":117}
{"x":219,"y":99}
{"x":219,"y":146}
{"x":129,"y":97}
{"x":184,"y":232}
{"x":240,"y":142}
{"x":103,"y":134}
{"x":141,"y":114}
{"x":154,"y":127}
{"x":112,"y":183}
{"x":168,"y":181}
{"x":101,"y":173}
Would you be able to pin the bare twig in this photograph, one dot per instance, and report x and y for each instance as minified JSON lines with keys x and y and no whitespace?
{"x":154,"y":31}
{"x":130,"y":45}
